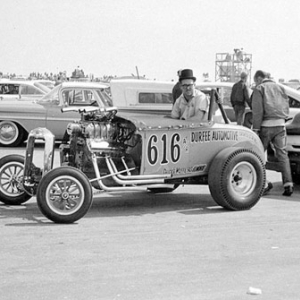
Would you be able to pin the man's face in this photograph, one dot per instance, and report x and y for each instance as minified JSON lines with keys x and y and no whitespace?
{"x":258,"y":80}
{"x":188,"y":87}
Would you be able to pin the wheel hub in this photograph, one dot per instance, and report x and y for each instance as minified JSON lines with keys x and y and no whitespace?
{"x":14,"y":180}
{"x":237,"y":178}
{"x":7,"y":132}
{"x":65,"y":195}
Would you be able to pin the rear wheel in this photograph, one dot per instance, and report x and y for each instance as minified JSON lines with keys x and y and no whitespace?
{"x":11,"y":134}
{"x":64,"y":195}
{"x":237,"y":178}
{"x":11,"y":175}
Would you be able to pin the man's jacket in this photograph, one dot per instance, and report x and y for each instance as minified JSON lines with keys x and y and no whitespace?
{"x":270,"y":104}
{"x":240,"y":94}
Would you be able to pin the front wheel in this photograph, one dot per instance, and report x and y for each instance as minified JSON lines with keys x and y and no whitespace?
{"x":237,"y":178}
{"x":64,"y":195}
{"x":11,"y":176}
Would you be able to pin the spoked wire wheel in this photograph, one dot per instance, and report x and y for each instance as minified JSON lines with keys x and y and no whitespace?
{"x":11,"y":176}
{"x":64,"y":195}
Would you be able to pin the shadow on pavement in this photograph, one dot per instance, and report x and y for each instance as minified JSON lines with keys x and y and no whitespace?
{"x":149,"y":203}
{"x":276,"y":193}
{"x":118,"y":205}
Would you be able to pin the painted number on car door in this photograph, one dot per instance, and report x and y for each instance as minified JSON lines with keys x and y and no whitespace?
{"x":170,"y":149}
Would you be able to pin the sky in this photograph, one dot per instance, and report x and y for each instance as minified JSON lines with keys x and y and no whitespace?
{"x":153,"y":38}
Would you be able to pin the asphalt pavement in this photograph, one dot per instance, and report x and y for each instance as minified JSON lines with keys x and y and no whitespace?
{"x":179,"y":245}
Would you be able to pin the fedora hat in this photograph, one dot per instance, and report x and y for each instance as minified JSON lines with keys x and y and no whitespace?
{"x":187,"y":74}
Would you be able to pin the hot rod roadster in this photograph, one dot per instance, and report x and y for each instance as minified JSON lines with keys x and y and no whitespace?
{"x":111,"y":151}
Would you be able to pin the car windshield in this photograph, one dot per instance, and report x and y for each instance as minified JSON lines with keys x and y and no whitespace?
{"x":103,"y":95}
{"x":51,"y":96}
{"x":48,"y":84}
{"x":77,"y":96}
{"x":42,"y":87}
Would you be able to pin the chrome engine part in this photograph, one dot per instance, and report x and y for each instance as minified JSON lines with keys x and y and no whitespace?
{"x":100,"y":138}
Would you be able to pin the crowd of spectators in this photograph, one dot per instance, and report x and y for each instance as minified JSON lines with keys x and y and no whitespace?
{"x":34,"y":76}
{"x":77,"y":74}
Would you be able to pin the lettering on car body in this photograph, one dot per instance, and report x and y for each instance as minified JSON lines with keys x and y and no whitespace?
{"x":213,"y":136}
{"x":168,"y":148}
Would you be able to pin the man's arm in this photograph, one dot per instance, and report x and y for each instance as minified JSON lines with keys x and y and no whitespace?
{"x":200,"y":116}
{"x":175,"y":114}
{"x":233,"y":91}
{"x":247,"y":96}
{"x":257,"y":109}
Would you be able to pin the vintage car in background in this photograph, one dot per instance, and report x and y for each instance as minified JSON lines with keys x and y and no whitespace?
{"x":293,"y":83}
{"x":18,"y":118}
{"x":155,"y":97}
{"x":151,"y":96}
{"x":22,"y":89}
{"x":116,"y":151}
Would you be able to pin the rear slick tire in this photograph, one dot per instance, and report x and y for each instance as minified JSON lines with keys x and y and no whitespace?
{"x":237,"y":178}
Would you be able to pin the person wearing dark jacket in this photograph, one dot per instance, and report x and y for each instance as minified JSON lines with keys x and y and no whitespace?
{"x":177,"y":91}
{"x":239,"y":97}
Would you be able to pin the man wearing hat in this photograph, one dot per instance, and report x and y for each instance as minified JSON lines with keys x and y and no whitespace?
{"x":239,"y":97}
{"x":192,"y":104}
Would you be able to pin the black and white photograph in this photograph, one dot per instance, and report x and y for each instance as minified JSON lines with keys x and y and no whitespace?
{"x":149,"y":150}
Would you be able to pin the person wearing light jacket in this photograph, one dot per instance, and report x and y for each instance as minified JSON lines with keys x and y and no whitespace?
{"x":270,"y":107}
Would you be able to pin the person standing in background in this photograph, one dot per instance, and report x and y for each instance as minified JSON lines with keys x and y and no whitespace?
{"x":270,"y":107}
{"x":239,"y":97}
{"x":177,"y":91}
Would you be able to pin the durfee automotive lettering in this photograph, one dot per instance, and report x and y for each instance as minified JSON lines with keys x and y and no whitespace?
{"x":213,"y":135}
{"x":201,"y":136}
{"x":170,"y":149}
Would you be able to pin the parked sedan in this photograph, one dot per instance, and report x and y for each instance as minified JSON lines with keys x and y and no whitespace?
{"x":155,"y":97}
{"x":22,"y":89}
{"x":18,"y":118}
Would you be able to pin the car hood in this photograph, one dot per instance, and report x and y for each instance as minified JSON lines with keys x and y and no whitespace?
{"x":143,"y":121}
{"x":150,"y":121}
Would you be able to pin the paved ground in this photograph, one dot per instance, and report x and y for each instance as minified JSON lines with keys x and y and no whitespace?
{"x":144,"y":246}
